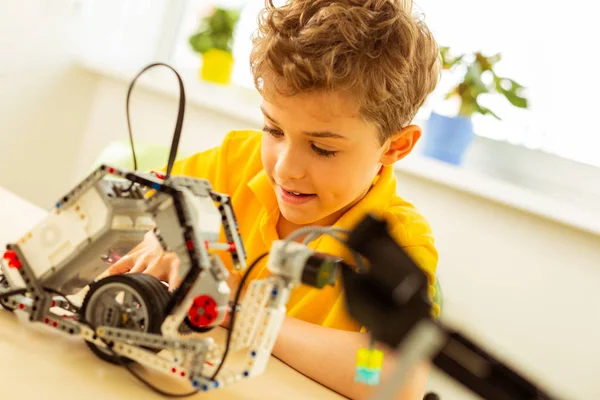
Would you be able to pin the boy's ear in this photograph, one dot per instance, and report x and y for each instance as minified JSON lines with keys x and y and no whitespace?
{"x":401,"y":144}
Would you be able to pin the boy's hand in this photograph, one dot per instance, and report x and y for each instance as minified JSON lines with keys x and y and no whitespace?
{"x":149,"y":257}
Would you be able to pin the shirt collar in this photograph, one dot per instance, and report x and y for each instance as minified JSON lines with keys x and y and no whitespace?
{"x":262,"y":189}
{"x":375,"y":201}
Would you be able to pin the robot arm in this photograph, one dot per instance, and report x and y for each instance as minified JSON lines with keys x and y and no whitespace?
{"x":392,"y":302}
{"x":263,"y":308}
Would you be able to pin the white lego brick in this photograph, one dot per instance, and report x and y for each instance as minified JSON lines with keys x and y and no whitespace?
{"x":215,"y":353}
{"x":96,"y":211}
{"x":250,"y":316}
{"x":12,"y":275}
{"x":150,"y":360}
{"x":207,"y":216}
{"x":264,"y":340}
{"x":58,"y":236}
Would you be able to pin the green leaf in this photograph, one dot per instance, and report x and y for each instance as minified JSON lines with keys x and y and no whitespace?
{"x":201,"y":42}
{"x":449,"y":61}
{"x":221,"y":42}
{"x":485,"y":111}
{"x":473,"y":80}
{"x":516,"y":100}
{"x":455,"y":61}
{"x":514,"y":84}
{"x":215,"y":31}
{"x":512,"y":93}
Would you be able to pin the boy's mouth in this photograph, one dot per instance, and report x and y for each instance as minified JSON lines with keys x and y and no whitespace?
{"x":295,"y":197}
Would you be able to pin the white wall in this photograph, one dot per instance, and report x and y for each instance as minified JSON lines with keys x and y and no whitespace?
{"x":44,"y":101}
{"x":525,"y":287}
{"x":152,"y":120}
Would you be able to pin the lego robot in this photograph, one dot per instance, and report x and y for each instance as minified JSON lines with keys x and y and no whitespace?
{"x":134,"y":317}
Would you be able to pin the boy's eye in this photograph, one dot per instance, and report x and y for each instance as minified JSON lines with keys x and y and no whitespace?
{"x":273,"y":132}
{"x":323,"y":152}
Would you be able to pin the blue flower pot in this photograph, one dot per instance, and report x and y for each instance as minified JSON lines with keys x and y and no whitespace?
{"x":447,"y":138}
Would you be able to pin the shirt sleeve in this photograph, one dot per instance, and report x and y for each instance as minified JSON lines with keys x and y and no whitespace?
{"x":413,"y":233}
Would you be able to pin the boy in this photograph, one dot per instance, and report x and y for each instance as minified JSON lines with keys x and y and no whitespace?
{"x":341,"y":82}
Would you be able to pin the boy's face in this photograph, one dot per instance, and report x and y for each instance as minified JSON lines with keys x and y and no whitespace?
{"x":320,"y":156}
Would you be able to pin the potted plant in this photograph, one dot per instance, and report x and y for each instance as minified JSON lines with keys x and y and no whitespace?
{"x":213,"y":40}
{"x":447,"y":138}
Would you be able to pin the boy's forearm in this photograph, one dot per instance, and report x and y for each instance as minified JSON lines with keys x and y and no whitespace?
{"x":329,"y":357}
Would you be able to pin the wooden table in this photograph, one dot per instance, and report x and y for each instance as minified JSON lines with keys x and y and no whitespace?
{"x":38,"y":362}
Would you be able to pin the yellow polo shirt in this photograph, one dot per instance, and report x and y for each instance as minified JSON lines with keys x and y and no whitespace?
{"x":235,"y":168}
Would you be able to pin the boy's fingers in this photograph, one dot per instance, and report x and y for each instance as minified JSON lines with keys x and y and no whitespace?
{"x":123,"y":265}
{"x":141,"y":263}
{"x":157,"y":268}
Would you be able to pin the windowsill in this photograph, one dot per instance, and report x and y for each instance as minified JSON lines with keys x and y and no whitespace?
{"x":243,"y":104}
{"x":506,"y":193}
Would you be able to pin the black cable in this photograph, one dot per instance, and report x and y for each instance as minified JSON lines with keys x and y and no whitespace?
{"x":178,"y":125}
{"x":151,"y":386}
{"x":233,"y":314}
{"x":10,"y":293}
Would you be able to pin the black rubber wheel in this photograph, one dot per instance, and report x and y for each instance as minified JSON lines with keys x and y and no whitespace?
{"x":135,"y":298}
{"x":163,"y":293}
{"x":159,"y":288}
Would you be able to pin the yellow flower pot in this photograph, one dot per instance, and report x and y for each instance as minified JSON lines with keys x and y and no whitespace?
{"x":217,"y":66}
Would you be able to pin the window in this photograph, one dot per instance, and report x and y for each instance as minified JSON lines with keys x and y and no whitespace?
{"x":545,"y":46}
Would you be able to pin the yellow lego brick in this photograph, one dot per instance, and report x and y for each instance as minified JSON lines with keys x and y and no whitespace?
{"x":362,"y":357}
{"x":369,"y":358}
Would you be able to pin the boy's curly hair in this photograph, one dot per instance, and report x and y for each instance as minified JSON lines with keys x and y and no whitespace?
{"x":375,"y":49}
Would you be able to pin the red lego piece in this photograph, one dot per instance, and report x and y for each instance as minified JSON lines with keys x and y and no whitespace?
{"x":13,"y":260}
{"x":203,"y":312}
{"x":158,"y":175}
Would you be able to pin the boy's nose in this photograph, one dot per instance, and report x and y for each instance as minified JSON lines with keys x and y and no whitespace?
{"x":289,"y":166}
